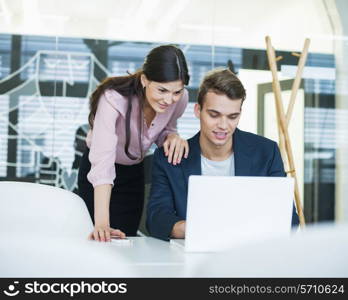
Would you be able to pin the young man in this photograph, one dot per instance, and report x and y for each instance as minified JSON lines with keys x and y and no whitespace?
{"x":220,"y":148}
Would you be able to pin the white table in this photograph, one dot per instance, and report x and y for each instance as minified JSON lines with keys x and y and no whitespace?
{"x":318,"y":252}
{"x":40,"y":256}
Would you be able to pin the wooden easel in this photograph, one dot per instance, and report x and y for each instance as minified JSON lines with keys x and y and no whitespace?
{"x":284,"y":119}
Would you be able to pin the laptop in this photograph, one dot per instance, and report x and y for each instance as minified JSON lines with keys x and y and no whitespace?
{"x":223,"y":212}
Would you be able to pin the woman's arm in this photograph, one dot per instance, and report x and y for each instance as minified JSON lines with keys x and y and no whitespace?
{"x":102,"y":157}
{"x":102,"y":230}
{"x":174,"y":146}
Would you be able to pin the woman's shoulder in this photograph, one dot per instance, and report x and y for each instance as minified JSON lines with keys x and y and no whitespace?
{"x":115,"y":100}
{"x":112,"y":95}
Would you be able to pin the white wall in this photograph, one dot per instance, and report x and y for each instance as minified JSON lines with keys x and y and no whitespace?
{"x":234,"y":23}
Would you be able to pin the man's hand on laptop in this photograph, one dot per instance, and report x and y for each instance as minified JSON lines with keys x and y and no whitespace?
{"x":178,"y":231}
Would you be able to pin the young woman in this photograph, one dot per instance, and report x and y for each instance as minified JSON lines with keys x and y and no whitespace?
{"x":128,"y":114}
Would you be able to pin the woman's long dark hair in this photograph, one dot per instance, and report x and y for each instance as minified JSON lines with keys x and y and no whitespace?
{"x":163,"y":64}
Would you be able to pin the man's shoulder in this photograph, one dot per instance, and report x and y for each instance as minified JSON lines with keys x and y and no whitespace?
{"x":255,"y":139}
{"x":160,"y":160}
{"x":159,"y":153}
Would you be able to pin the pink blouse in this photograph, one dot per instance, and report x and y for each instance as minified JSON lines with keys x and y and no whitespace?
{"x":107,"y":139}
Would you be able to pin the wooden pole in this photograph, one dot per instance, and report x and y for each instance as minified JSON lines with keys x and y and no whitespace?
{"x":283,"y":149}
{"x":283,"y":124}
{"x":294,"y":90}
{"x":297,"y":81}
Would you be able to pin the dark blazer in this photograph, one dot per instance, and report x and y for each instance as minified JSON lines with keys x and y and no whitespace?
{"x":254,"y":155}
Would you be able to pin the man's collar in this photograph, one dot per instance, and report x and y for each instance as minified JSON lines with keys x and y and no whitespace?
{"x":243,"y":155}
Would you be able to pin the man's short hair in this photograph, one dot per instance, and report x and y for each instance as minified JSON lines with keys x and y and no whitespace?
{"x":221,"y":82}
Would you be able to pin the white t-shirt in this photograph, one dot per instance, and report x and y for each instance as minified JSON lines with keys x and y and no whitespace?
{"x":218,"y":168}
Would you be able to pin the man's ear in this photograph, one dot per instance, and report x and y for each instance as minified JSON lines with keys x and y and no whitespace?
{"x":197,"y":110}
{"x":143,"y":80}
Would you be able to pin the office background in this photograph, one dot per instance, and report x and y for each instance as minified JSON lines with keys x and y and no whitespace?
{"x":54,"y":53}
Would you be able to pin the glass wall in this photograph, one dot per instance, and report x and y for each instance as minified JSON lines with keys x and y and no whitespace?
{"x":49,"y":68}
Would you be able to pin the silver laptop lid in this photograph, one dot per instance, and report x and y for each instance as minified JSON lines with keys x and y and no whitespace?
{"x":226,"y":211}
